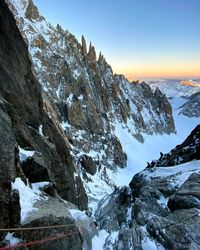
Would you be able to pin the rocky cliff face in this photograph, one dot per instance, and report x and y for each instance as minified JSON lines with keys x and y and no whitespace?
{"x":82,"y":96}
{"x":17,"y":86}
{"x":160,"y":208}
{"x":22,"y":118}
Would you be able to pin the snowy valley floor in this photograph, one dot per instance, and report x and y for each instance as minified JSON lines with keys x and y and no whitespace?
{"x":139,"y":154}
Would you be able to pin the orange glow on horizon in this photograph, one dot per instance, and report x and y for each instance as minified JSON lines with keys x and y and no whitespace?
{"x":158,"y":71}
{"x":161,"y":74}
{"x":190,"y":83}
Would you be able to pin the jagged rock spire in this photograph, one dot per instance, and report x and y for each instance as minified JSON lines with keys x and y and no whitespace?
{"x":158,"y":92}
{"x":101,"y":57}
{"x":92,"y":53}
{"x":84,"y":46}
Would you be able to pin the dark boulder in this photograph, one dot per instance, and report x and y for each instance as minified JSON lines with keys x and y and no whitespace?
{"x":88,"y":164}
{"x":188,"y":194}
{"x":168,"y":233}
{"x":14,"y":209}
{"x":35,"y":170}
{"x":69,"y":237}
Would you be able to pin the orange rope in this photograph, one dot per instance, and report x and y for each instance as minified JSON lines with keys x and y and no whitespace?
{"x":60,"y":236}
{"x":33,"y":228}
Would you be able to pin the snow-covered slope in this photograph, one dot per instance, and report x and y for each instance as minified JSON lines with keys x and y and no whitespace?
{"x":181,"y":97}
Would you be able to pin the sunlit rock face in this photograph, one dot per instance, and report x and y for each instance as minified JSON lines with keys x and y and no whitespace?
{"x":83,"y":97}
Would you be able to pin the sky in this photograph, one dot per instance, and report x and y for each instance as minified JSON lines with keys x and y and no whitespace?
{"x":139,"y":38}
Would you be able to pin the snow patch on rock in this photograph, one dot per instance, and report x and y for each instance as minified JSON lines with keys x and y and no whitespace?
{"x":28,"y":196}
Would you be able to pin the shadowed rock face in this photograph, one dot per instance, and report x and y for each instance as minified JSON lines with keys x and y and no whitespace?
{"x":7,"y":165}
{"x":18,"y":85}
{"x":188,"y":194}
{"x":191,"y":107}
{"x":22,"y":113}
{"x":14,"y":75}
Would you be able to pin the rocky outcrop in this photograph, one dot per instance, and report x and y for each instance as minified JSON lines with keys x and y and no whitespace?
{"x":35,"y":169}
{"x":49,"y":213}
{"x":161,"y":206}
{"x":119,"y":157}
{"x":88,"y":164}
{"x":63,"y":241}
{"x":190,"y":108}
{"x":114,"y":212}
{"x":144,"y":215}
{"x":32,"y":12}
{"x":165,"y":107}
{"x":188,"y":194}
{"x":176,"y":232}
{"x":91,"y":54}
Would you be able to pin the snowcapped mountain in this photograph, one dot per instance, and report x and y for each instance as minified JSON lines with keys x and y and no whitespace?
{"x":176,"y":87}
{"x":83,"y":97}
